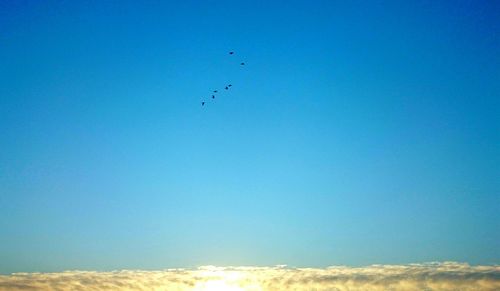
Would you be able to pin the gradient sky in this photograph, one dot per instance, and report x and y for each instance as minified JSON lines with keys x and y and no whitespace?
{"x":357,"y":133}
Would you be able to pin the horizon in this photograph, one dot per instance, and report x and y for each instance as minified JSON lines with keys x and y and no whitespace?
{"x":430,"y":276}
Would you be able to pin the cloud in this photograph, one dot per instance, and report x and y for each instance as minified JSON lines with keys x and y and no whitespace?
{"x":429,"y":276}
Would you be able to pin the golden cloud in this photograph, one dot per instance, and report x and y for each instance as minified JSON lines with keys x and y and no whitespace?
{"x":429,"y":276}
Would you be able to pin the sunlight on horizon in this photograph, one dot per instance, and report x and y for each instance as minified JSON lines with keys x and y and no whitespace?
{"x":213,"y":285}
{"x":424,"y":276}
{"x":216,"y":278}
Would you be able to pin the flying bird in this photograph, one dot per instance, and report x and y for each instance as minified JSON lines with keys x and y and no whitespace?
{"x":226,"y":87}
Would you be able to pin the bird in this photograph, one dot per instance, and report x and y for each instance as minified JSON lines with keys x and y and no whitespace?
{"x":226,"y":87}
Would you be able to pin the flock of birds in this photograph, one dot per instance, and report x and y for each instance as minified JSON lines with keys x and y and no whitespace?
{"x":214,"y":92}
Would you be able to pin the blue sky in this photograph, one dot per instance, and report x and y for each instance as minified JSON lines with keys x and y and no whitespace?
{"x":356,"y":133}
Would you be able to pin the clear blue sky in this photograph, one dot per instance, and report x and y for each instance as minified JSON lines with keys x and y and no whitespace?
{"x":357,"y":133}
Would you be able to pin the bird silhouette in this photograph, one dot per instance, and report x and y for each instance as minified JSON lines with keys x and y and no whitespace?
{"x":227,"y":87}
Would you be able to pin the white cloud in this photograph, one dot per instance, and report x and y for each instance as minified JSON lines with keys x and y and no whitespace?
{"x":431,"y":276}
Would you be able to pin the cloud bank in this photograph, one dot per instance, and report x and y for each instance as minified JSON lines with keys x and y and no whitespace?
{"x":429,"y":276}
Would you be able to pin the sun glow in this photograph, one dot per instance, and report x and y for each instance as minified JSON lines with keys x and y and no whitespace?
{"x":217,"y":285}
{"x":214,"y":278}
